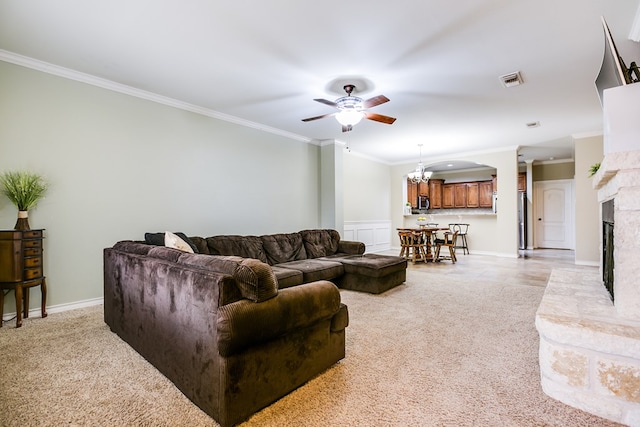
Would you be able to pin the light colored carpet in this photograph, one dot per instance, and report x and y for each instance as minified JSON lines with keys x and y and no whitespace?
{"x":454,"y":346}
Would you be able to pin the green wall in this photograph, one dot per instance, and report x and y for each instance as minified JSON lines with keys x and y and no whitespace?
{"x":588,"y":150}
{"x":367,"y":189}
{"x":553,"y":171}
{"x":120,"y":166}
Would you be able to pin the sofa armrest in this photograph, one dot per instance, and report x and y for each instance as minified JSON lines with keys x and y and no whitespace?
{"x":244,"y":323}
{"x":350,"y":247}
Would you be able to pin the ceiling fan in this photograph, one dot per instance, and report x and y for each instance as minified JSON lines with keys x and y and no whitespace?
{"x":352,"y":109}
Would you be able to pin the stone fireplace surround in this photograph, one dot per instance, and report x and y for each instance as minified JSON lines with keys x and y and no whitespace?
{"x":589,"y":347}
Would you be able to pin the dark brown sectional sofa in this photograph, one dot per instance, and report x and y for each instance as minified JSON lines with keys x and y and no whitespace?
{"x":244,"y":321}
{"x":311,"y":255}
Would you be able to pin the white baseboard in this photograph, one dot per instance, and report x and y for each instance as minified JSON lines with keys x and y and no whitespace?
{"x":35,"y":312}
{"x":587,"y":263}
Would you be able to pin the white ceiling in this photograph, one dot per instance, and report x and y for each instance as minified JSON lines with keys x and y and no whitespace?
{"x":264,"y":62}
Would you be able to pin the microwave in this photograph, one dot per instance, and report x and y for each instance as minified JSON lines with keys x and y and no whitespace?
{"x":423,"y":202}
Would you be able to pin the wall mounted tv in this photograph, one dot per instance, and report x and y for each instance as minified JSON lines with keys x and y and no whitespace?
{"x":613,"y":71}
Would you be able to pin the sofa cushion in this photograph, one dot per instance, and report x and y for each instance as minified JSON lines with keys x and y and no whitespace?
{"x":243,"y":246}
{"x":281,"y":248}
{"x":174,"y":241}
{"x":319,"y":243}
{"x":287,"y":277}
{"x":158,"y":239}
{"x":313,"y":270}
{"x":254,"y":278}
{"x":350,"y":248}
{"x":200,"y":243}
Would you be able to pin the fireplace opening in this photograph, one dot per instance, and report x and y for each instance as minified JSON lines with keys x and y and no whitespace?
{"x":607,"y":246}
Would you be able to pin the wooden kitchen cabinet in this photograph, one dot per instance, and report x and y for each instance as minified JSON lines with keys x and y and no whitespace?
{"x":447,"y":196}
{"x":435,"y":193}
{"x":522,"y":182}
{"x":485,"y":194}
{"x":460,"y":195}
{"x":412,"y":194}
{"x":423,"y":189}
{"x":473,"y":196}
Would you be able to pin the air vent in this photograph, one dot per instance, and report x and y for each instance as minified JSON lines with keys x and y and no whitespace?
{"x":512,"y":79}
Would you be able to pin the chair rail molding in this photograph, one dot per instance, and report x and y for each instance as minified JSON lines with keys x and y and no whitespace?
{"x":376,"y":235}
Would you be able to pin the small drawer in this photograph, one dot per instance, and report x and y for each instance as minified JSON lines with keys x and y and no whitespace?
{"x":32,"y":273}
{"x":32,"y":243}
{"x":33,"y":262}
{"x":32,"y":252}
{"x":32,"y":234}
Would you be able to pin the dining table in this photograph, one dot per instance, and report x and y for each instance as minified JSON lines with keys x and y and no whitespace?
{"x":425,"y":234}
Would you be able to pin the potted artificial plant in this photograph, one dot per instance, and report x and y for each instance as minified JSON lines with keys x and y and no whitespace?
{"x":24,"y":189}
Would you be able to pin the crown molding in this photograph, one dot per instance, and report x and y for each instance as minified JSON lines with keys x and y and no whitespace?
{"x":552,"y":162}
{"x":586,"y":134}
{"x":463,"y":155}
{"x":67,"y":73}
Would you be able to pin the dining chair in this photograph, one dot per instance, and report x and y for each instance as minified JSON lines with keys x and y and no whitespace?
{"x":434,"y":234}
{"x":412,"y":246}
{"x":449,"y":242}
{"x":462,"y":236}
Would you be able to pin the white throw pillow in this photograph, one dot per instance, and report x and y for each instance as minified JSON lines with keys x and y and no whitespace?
{"x":175,"y":242}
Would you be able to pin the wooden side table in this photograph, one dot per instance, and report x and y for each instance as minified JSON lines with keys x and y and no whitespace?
{"x":21,"y":269}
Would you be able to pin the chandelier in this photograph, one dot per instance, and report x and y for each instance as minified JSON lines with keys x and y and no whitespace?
{"x":420,"y":174}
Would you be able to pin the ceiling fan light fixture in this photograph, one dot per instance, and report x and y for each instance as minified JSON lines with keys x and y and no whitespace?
{"x":349,"y":117}
{"x":352,"y":109}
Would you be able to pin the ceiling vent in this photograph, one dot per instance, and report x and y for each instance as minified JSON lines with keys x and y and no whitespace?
{"x":511,"y":79}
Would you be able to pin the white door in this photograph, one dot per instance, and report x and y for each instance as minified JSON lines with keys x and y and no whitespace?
{"x":553,"y":220}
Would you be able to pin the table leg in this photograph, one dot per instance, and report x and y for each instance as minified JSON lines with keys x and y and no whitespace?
{"x":25,"y":302}
{"x":1,"y":306}
{"x":18,"y":291}
{"x":43,"y":290}
{"x":428,"y":246}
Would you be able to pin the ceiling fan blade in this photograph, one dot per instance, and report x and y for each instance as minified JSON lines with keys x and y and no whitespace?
{"x":319,"y":117}
{"x":347,"y":128}
{"x":327,"y":102}
{"x":380,"y":118}
{"x":376,"y":100}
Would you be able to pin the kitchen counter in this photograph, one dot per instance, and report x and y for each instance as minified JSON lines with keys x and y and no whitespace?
{"x":454,"y":212}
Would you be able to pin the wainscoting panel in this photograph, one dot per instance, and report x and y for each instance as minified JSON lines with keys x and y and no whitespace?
{"x":376,"y":235}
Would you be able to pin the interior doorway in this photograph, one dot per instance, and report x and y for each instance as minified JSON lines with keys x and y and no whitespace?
{"x":553,"y":214}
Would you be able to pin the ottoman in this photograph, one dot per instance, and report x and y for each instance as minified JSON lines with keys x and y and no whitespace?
{"x":371,"y":273}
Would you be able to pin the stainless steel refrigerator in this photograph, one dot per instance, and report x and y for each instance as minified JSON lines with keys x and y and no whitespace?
{"x":522,"y":220}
